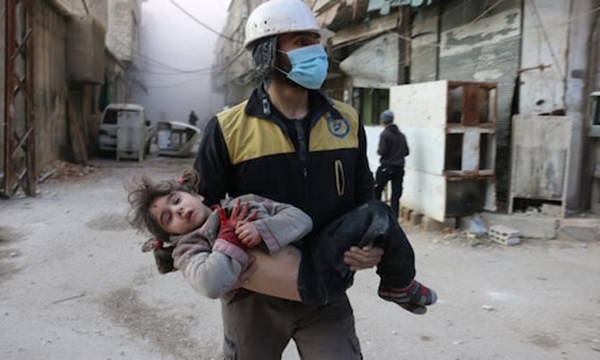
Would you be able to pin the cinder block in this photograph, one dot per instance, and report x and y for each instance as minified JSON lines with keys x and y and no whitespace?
{"x":504,"y":235}
{"x":528,"y":226}
{"x":450,"y":223}
{"x":428,"y":224}
{"x":415,"y":218}
{"x":405,"y":213}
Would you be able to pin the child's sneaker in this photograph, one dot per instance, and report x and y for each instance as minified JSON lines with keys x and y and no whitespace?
{"x":413,"y":298}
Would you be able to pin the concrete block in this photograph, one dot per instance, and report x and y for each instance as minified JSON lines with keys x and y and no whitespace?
{"x":504,"y":235}
{"x":528,"y":226}
{"x":415,"y":218}
{"x":405,"y":213}
{"x":428,"y":224}
{"x":552,"y":210}
{"x":450,"y":223}
{"x":578,"y":233}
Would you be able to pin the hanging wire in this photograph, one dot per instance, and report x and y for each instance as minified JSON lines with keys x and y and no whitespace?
{"x":203,"y":24}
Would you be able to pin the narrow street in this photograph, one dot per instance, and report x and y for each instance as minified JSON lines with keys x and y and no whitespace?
{"x":76,"y":285}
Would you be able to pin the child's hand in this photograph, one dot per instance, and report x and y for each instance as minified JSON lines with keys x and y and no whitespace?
{"x":247,"y":234}
{"x":151,"y":244}
{"x":239,"y":213}
{"x":162,"y":255}
{"x":164,"y":259}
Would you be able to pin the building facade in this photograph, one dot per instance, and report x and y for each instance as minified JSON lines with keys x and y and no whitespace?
{"x":543,"y":56}
{"x":81,"y":55}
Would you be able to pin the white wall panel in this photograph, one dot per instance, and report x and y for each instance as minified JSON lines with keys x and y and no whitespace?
{"x":437,"y":127}
{"x":417,"y":107}
{"x":422,"y":104}
{"x":425,"y":193}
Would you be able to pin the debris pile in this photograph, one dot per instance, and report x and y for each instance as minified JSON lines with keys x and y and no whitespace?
{"x":59,"y":170}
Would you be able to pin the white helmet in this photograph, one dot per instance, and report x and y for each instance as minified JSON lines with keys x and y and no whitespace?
{"x":281,"y":16}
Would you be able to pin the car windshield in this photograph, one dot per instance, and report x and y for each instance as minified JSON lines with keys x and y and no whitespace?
{"x":111,"y":115}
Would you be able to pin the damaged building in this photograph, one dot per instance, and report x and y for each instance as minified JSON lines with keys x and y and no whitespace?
{"x":496,"y":97}
{"x":65,"y":60}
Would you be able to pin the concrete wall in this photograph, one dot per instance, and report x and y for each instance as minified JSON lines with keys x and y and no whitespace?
{"x":425,"y":47}
{"x":482,"y":43}
{"x":545,"y":42}
{"x":577,"y":98}
{"x":470,"y":40}
{"x":95,"y":7}
{"x":121,"y":18}
{"x":591,"y":197}
{"x":122,"y":36}
{"x":556,"y":34}
{"x":2,"y":79}
{"x":541,"y":166}
{"x":51,"y":89}
{"x":548,"y":44}
{"x":375,"y":63}
{"x":50,"y":31}
{"x":233,"y":73}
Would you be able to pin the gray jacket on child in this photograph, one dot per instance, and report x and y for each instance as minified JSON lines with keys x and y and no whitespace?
{"x":212,"y":265}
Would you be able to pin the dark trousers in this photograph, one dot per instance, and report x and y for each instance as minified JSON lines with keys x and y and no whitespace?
{"x":260,"y":327}
{"x":323,"y":276}
{"x":395,"y":175}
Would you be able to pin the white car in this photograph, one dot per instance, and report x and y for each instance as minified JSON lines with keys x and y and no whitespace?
{"x":107,"y":139}
{"x":177,"y":138}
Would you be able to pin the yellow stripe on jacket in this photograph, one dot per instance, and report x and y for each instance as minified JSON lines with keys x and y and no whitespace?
{"x":255,"y":138}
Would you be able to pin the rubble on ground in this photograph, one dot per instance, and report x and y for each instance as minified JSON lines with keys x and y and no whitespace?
{"x":59,"y":170}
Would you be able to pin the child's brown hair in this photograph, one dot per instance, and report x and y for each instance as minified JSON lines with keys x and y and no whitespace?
{"x":142,"y":193}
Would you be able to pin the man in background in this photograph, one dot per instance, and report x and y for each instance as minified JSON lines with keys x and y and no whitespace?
{"x":193,"y":118}
{"x":392,"y":149}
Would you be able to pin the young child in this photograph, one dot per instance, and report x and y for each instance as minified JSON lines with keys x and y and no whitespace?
{"x":213,"y":246}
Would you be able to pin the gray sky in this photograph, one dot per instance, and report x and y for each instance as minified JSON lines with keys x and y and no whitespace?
{"x":176,"y":54}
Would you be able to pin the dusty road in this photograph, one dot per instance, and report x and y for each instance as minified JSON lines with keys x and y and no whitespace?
{"x":75,"y":285}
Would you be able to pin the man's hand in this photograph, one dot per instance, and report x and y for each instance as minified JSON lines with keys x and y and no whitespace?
{"x":363,"y":258}
{"x":247,"y":234}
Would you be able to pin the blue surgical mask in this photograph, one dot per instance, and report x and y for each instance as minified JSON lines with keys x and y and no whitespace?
{"x":309,"y":66}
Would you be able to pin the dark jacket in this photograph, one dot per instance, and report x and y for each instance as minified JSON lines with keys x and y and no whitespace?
{"x":250,"y":149}
{"x":392,"y":146}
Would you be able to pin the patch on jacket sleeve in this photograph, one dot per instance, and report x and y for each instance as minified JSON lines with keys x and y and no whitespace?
{"x":334,"y":134}
{"x":338,"y":127}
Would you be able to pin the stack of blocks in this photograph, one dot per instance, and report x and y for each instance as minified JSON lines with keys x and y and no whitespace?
{"x":504,"y":235}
